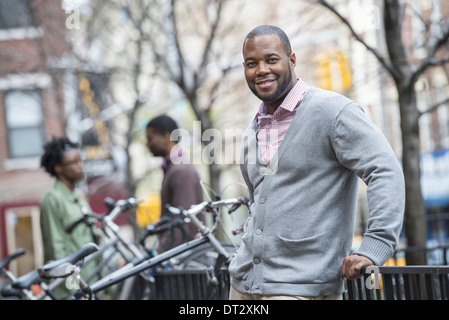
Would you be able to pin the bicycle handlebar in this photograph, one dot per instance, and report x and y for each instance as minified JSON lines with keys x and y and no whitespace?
{"x":208,"y":205}
{"x":121,"y":206}
{"x":115,"y":208}
{"x":238,"y":230}
{"x":244,"y":200}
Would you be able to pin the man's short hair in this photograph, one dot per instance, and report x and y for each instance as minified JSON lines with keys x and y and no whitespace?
{"x":162,"y":124}
{"x":267,"y":30}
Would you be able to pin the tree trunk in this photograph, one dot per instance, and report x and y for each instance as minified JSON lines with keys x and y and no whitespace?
{"x":415,"y":212}
{"x":203,"y":115}
{"x":402,"y":72}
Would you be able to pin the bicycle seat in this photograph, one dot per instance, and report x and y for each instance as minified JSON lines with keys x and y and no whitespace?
{"x":60,"y":268}
{"x":25,"y":281}
{"x":9,"y":291}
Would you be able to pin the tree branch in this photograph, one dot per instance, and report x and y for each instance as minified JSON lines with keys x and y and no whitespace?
{"x":439,"y":42}
{"x":345,"y":21}
{"x":180,"y":80}
{"x":431,"y":61}
{"x":206,"y":54}
{"x":434,"y":107}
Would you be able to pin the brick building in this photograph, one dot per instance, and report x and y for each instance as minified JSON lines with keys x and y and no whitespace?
{"x":32,"y":48}
{"x":42,"y":96}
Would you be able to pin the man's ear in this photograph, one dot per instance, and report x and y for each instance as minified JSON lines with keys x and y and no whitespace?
{"x":166,"y":137}
{"x":168,"y":142}
{"x":292,"y":61}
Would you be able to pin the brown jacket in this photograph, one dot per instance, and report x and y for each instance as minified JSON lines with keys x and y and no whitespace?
{"x":180,"y":188}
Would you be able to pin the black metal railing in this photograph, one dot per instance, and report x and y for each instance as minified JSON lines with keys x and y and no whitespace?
{"x":378,"y":283}
{"x":191,"y":284}
{"x":400,"y":283}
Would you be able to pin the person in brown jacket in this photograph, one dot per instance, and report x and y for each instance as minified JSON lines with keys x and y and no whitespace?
{"x":181,"y":185}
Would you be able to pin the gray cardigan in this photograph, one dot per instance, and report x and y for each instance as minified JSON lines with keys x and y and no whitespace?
{"x":302,"y":216}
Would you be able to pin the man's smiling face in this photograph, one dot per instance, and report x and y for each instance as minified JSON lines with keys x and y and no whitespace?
{"x":268,"y":69}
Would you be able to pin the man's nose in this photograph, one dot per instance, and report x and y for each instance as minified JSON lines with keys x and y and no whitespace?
{"x":263,"y":68}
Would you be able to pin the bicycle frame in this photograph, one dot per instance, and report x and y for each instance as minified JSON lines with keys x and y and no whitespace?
{"x":113,"y":240}
{"x":121,"y":274}
{"x":24,"y":293}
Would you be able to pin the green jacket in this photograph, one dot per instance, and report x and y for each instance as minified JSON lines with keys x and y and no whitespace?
{"x":59,"y":208}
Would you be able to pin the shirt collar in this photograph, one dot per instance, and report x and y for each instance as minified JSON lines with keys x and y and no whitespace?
{"x":69,"y":194}
{"x":166,"y":161}
{"x":291,"y":101}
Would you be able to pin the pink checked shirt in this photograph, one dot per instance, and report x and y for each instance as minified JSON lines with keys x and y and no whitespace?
{"x":272,"y":128}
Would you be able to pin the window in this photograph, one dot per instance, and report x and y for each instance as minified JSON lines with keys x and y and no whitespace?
{"x":24,"y":120}
{"x":15,"y":14}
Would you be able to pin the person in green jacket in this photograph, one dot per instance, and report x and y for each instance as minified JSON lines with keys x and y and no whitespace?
{"x":63,"y":205}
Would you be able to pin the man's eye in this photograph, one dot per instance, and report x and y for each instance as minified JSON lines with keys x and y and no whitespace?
{"x":273,"y":60}
{"x":251,"y":64}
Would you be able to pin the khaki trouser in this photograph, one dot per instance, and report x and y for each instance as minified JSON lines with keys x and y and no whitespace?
{"x":237,"y":295}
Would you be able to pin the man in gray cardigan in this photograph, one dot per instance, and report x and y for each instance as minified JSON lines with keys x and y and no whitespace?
{"x":302,"y":158}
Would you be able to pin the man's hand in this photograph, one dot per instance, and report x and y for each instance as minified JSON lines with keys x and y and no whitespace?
{"x":352,"y":266}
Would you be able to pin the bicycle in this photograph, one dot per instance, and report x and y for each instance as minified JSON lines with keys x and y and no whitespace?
{"x":59,"y":269}
{"x":114,"y":243}
{"x":205,"y":256}
{"x":89,"y":292}
{"x":8,"y":290}
{"x":134,"y":251}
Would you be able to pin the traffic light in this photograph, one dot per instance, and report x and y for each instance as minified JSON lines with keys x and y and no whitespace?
{"x":345,"y":69}
{"x":323,"y":72}
{"x":333,"y":71}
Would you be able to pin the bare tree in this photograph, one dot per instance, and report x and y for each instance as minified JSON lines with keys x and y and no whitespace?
{"x":156,"y":43}
{"x":116,"y":40}
{"x":200,"y":21}
{"x":406,"y":71}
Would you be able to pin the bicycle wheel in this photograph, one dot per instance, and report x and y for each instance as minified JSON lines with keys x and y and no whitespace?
{"x":214,"y":279}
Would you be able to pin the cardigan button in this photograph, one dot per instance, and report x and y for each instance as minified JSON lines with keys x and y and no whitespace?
{"x":262,"y":200}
